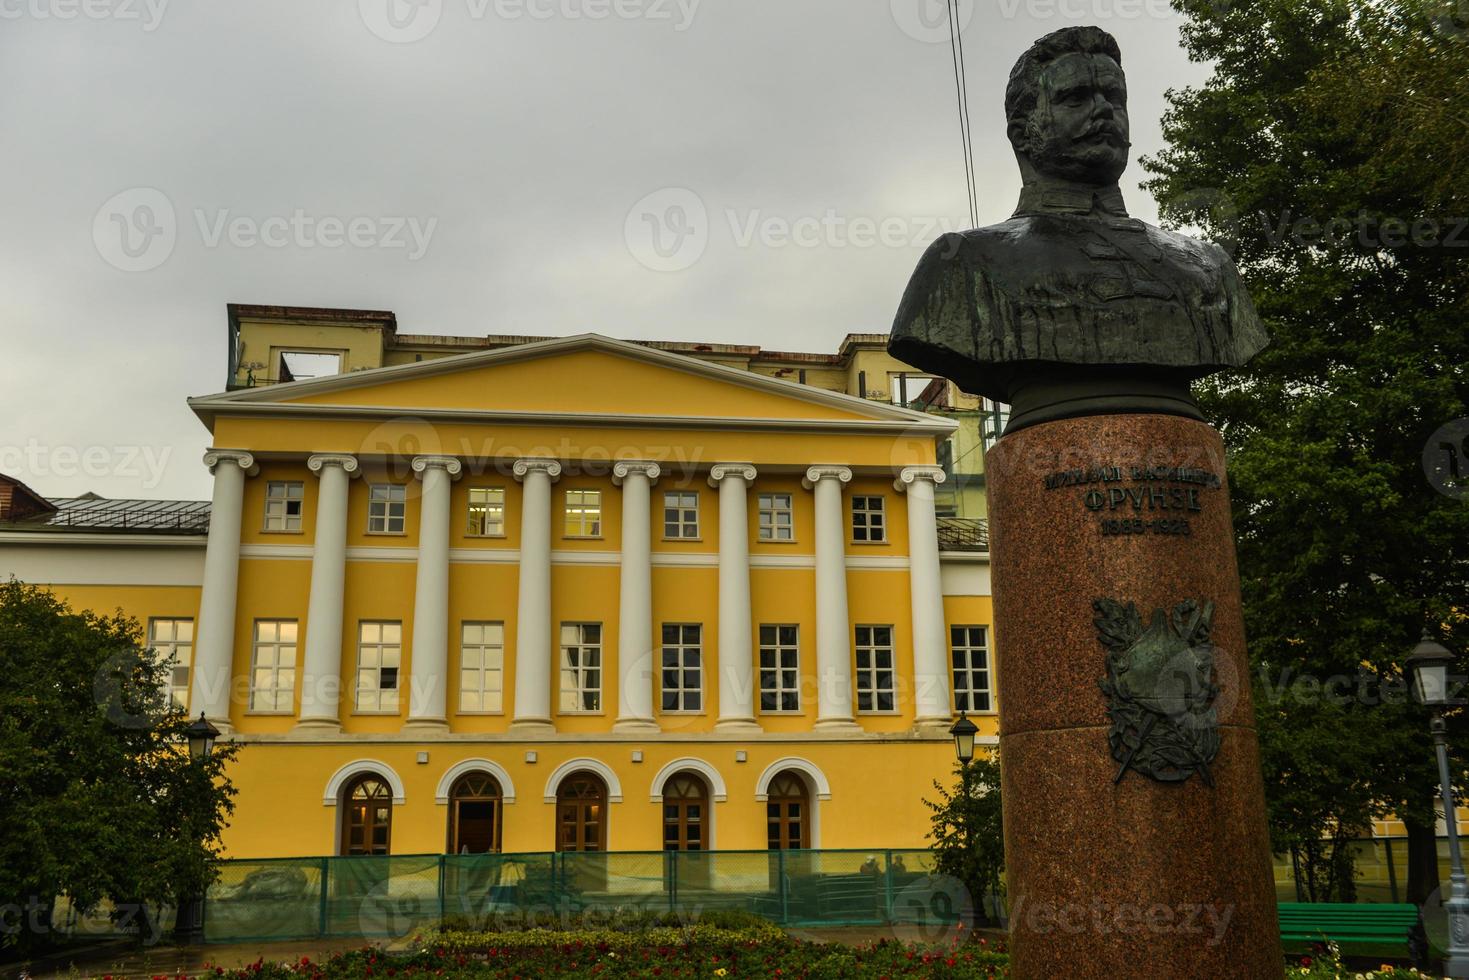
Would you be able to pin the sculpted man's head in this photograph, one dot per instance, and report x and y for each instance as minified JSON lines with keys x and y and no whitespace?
{"x":1066,"y":107}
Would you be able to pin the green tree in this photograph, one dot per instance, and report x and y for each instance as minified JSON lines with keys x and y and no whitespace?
{"x":100,"y":798}
{"x":1328,"y":152}
{"x":968,"y":831}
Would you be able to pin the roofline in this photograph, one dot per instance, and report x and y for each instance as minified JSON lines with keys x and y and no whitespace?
{"x":208,"y":407}
{"x":46,"y":505}
{"x":336,"y":315}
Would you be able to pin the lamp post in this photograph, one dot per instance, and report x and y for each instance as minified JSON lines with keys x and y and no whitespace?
{"x":189,"y":927}
{"x":1429,"y":665}
{"x":964,"y":731}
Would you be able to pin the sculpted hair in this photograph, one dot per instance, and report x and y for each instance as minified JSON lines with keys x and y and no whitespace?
{"x":1024,"y":87}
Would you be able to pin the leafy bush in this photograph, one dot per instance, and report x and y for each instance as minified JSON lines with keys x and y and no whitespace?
{"x":703,"y":952}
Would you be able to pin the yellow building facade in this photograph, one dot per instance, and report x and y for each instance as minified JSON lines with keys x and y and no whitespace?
{"x":568,"y":594}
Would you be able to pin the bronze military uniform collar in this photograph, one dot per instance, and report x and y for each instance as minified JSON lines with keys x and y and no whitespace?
{"x":1063,"y":197}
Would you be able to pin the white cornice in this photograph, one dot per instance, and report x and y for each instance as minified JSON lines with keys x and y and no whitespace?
{"x":96,"y":538}
{"x":207,"y":410}
{"x":267,"y":400}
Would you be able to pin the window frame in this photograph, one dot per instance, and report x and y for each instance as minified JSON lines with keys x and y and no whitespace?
{"x":680,"y":523}
{"x":299,"y":500}
{"x":380,"y":645}
{"x":872,"y":671}
{"x":173,"y":645}
{"x":681,"y":669}
{"x":970,"y":670}
{"x":778,"y":648}
{"x":475,"y":527}
{"x":580,"y":689}
{"x":397,"y":493}
{"x":581,"y":512}
{"x":484,"y":648}
{"x":867,"y":526}
{"x":761,"y":510}
{"x":276,"y":689}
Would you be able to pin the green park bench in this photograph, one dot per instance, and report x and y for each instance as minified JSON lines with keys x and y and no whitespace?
{"x":1351,"y":925}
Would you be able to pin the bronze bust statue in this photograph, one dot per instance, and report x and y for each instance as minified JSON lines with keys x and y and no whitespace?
{"x":1072,"y":307}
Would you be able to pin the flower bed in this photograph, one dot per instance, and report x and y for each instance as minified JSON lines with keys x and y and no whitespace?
{"x":702,"y":951}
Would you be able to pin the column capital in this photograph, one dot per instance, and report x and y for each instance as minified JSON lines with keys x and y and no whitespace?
{"x":842,"y":474}
{"x":243,"y":459}
{"x":319,"y":461}
{"x":536,"y":464}
{"x":720,"y":472}
{"x":911,"y":474}
{"x":449,"y":464}
{"x":624,"y":468}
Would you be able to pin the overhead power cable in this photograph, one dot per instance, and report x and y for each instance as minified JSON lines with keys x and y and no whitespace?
{"x":961,"y":90}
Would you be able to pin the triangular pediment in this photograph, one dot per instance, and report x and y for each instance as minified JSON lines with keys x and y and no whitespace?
{"x":587,"y":376}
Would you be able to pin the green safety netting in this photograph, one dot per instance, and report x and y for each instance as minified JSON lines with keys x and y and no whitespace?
{"x":394,"y":896}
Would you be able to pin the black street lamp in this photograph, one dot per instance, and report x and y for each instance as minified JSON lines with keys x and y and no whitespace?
{"x":189,"y":928}
{"x":964,"y":731}
{"x":1428,"y":666}
{"x":201,"y":737}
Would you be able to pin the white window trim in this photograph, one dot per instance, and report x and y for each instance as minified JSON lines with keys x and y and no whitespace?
{"x":402,"y":502}
{"x":397,"y":688}
{"x":467,"y":766}
{"x":504,"y":513}
{"x":698,"y":516}
{"x":265,"y":527}
{"x":254,"y":656}
{"x":761,"y":510}
{"x":703,"y":708}
{"x":881,"y":509}
{"x":601,"y":669}
{"x":800,"y":707}
{"x":989,"y":667}
{"x":173,"y":644}
{"x":460,"y":686}
{"x":871,"y":671}
{"x":566,"y":512}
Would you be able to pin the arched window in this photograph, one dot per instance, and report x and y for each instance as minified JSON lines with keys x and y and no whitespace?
{"x":685,"y":814}
{"x":367,"y":816}
{"x":581,"y":809}
{"x":788,"y":812}
{"x":474,"y":814}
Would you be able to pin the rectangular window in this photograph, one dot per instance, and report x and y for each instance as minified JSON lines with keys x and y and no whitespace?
{"x":780,"y":676}
{"x":683,"y":667}
{"x":283,"y":500}
{"x":487,"y":512}
{"x":875,"y":680}
{"x":868,"y":523}
{"x":273,"y":666}
{"x":379,"y":655}
{"x":970,"y":651}
{"x":680,"y":514}
{"x":173,"y":641}
{"x":583,"y":514}
{"x":385,"y":508}
{"x":776,"y":517}
{"x":581,"y":667}
{"x":482,"y":667}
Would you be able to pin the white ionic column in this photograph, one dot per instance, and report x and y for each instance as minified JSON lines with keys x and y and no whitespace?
{"x":833,"y":642}
{"x":736,"y":642}
{"x":635,"y":658}
{"x":321,"y":672}
{"x":930,"y":651}
{"x":534,"y":650}
{"x":214,"y":647}
{"x":428,"y":685}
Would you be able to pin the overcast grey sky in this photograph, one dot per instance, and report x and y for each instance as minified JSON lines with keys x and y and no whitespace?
{"x":740,"y":171}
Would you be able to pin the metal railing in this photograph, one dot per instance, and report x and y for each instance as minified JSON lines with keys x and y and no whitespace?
{"x":136,"y":519}
{"x":964,"y":534}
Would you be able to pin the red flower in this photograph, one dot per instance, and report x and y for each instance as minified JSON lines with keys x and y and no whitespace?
{"x":1305,"y":961}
